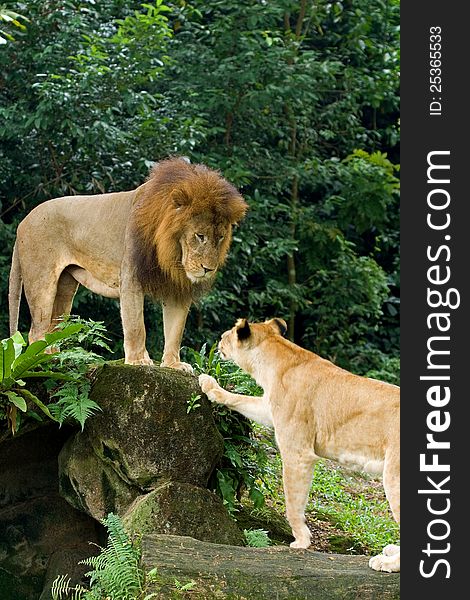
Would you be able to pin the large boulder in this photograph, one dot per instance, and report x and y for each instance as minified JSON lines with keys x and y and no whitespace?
{"x":183,"y":509}
{"x":215,"y":572}
{"x":148,"y":455}
{"x":146,"y":430}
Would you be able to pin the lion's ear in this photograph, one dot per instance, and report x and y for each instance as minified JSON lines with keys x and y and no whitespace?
{"x":279,"y":326}
{"x":238,"y":208}
{"x":180,"y":198}
{"x":242,"y":327}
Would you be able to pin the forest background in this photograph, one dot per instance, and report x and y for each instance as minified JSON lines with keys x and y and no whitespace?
{"x":295,"y":101}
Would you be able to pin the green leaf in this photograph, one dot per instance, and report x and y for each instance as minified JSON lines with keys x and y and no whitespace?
{"x":33,"y":398}
{"x":18,"y":401}
{"x":18,"y":342}
{"x":23,"y":364}
{"x":51,"y":375}
{"x":55,"y":336}
{"x":7,"y":356}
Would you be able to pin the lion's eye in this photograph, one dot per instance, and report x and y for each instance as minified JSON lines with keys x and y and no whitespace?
{"x":200,"y":237}
{"x":221,"y":238}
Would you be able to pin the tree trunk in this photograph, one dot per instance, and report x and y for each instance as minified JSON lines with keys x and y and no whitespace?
{"x":294,"y":197}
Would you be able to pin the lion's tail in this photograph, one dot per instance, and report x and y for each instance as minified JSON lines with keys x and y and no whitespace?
{"x":14,"y":290}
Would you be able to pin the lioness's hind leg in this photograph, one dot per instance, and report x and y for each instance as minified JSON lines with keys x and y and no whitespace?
{"x":391,"y":480}
{"x":389,"y":560}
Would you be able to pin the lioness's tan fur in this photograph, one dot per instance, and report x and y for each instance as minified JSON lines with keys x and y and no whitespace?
{"x":317,"y":410}
{"x":166,"y":238}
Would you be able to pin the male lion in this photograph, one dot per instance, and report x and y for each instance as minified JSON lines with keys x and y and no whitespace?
{"x":167,"y":238}
{"x":317,"y":410}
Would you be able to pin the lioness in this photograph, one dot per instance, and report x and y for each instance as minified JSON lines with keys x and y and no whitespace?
{"x":317,"y":410}
{"x":167,"y":238}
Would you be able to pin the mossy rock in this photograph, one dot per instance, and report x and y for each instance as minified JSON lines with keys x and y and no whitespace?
{"x":147,"y":457}
{"x":145,"y":430}
{"x":183,"y":509}
{"x":90,"y":484}
{"x":144,"y":436}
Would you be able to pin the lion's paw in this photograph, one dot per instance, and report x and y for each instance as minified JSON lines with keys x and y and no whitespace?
{"x":388,"y":563}
{"x":299,"y":545}
{"x":181,"y":366}
{"x":140,"y":361}
{"x":391,"y":550}
{"x":302,"y":538}
{"x":207,"y":383}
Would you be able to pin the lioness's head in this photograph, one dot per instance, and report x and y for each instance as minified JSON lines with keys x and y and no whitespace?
{"x":245,"y":336}
{"x":183,"y":221}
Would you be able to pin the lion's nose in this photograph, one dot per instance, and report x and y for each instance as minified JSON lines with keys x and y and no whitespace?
{"x":207,"y":270}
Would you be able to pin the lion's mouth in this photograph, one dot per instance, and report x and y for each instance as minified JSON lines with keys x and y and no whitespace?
{"x":200,"y":276}
{"x":222,"y":354}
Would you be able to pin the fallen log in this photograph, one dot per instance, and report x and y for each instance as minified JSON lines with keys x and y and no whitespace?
{"x":276,"y":573}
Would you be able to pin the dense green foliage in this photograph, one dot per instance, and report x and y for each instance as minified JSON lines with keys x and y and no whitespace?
{"x":295,"y":101}
{"x":60,"y":378}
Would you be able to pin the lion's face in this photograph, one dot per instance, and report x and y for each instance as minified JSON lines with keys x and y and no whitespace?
{"x":182,"y":226}
{"x":203,"y":248}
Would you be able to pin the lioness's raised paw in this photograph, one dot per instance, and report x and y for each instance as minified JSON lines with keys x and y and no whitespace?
{"x":208,"y":384}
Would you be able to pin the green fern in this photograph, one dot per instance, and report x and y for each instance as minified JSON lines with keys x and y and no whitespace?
{"x":63,"y":590}
{"x":117,"y":571}
{"x":257,"y":538}
{"x":116,"y":574}
{"x":74,"y":402}
{"x":91,"y":334}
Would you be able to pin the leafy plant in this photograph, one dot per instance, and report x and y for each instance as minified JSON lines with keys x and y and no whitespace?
{"x":19,"y":362}
{"x":76,"y":356}
{"x":257,"y":538}
{"x":70,"y":363}
{"x":244,"y":460}
{"x":10,"y":17}
{"x":73,"y":403}
{"x":184,"y":587}
{"x":116,"y":572}
{"x":193,"y":403}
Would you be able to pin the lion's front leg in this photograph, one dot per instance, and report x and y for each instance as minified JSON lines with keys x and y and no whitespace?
{"x":132,"y":314}
{"x":174,"y":320}
{"x":297,"y":471}
{"x":252,"y":407}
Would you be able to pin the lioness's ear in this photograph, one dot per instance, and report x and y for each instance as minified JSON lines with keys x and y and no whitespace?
{"x":278,"y":326}
{"x":179,"y":198}
{"x":242,"y":327}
